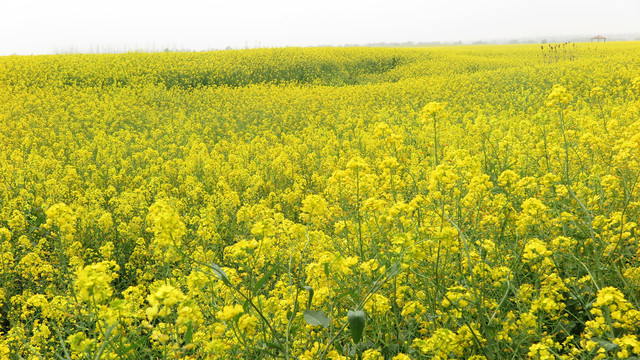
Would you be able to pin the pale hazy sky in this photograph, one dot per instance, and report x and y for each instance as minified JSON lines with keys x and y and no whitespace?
{"x":49,"y":26}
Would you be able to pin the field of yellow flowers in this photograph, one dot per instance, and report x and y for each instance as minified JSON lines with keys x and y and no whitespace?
{"x":322,"y":203}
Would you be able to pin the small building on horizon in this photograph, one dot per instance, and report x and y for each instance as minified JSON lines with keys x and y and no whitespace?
{"x":597,"y":38}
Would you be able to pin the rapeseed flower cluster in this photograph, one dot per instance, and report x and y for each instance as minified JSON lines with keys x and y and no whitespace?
{"x":422,"y":203}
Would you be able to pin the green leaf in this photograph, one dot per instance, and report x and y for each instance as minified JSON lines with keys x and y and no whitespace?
{"x":264,"y":279}
{"x":188,"y":335}
{"x":607,"y":345}
{"x":274,"y":346}
{"x":310,"y":290}
{"x":357,"y":320}
{"x":316,"y":318}
{"x":220,"y":273}
{"x":394,"y":270}
{"x":345,"y":294}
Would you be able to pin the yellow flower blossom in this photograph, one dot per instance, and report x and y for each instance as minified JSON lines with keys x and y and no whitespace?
{"x":166,"y":226}
{"x":93,"y":282}
{"x":228,"y":312}
{"x":372,"y":354}
{"x":63,"y":217}
{"x":163,"y":300}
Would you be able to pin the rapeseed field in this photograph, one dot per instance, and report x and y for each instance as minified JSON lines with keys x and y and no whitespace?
{"x":322,"y":203}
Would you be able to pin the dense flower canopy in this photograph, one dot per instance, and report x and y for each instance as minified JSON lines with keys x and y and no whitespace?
{"x":472,"y":202}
